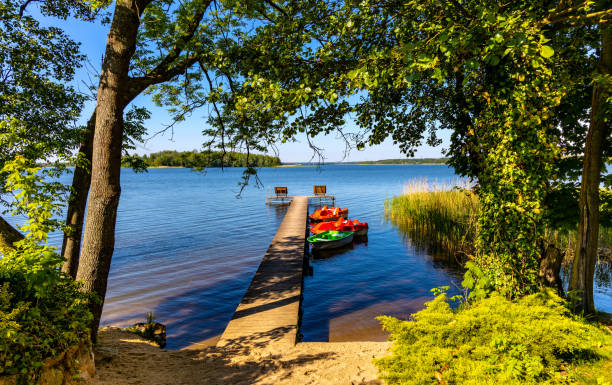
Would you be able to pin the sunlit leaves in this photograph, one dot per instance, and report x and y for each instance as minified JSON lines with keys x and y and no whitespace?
{"x":38,"y":107}
{"x":546,"y":51}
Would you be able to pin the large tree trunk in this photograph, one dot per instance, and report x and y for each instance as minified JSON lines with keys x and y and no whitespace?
{"x":8,"y":236}
{"x":585,"y":257}
{"x":99,"y":236}
{"x":81,"y":180}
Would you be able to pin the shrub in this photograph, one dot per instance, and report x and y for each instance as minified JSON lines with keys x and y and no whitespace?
{"x":40,"y":317}
{"x":494,"y":340}
{"x":42,"y":311}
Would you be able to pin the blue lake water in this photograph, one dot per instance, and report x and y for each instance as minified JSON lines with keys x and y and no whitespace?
{"x":187,"y":249}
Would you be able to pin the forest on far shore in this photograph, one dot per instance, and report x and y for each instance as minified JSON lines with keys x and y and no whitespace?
{"x":405,"y":161}
{"x":194,"y":159}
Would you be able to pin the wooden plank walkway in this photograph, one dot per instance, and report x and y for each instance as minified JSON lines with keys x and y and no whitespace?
{"x":273,"y":199}
{"x":268,"y":315}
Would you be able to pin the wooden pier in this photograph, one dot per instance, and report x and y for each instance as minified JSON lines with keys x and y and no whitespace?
{"x":267,"y":317}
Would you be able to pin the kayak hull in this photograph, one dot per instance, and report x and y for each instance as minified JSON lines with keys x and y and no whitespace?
{"x":318,"y":241}
{"x":332,"y":244}
{"x":361,"y":232}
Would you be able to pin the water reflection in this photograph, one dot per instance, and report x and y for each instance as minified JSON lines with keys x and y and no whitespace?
{"x":278,"y":211}
{"x":602,"y":277}
{"x":329,"y":253}
{"x":453,"y":258}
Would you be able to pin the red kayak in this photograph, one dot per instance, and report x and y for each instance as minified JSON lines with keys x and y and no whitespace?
{"x":328,"y":214}
{"x":359,"y":228}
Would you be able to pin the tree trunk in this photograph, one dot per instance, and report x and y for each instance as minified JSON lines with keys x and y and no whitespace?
{"x":81,"y":180}
{"x":585,"y":257}
{"x":8,"y":235}
{"x":99,"y":236}
{"x":550,"y":268}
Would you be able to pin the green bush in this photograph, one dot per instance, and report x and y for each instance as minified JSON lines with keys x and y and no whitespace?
{"x":42,"y":311}
{"x":39,"y":317}
{"x":494,"y":340}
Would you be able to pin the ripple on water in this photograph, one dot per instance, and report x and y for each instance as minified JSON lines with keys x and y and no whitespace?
{"x":187,"y":250}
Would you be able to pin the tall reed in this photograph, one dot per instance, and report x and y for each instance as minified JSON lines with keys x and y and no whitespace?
{"x":443,"y":218}
{"x":438,"y":217}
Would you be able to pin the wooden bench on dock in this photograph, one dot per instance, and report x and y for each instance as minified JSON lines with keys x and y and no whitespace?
{"x":281,"y":197}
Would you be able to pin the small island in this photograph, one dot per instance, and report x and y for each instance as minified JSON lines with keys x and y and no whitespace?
{"x":199,"y":160}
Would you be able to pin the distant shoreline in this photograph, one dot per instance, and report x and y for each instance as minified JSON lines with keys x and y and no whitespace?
{"x":314,"y":165}
{"x":398,"y":164}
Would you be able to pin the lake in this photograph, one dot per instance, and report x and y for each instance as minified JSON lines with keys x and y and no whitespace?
{"x":187,"y":249}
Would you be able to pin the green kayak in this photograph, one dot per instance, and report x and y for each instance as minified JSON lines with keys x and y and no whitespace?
{"x":330,"y":239}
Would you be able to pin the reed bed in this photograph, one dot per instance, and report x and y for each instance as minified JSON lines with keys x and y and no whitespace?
{"x":442,"y":217}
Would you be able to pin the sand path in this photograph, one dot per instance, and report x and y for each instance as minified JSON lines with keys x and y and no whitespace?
{"x":124,"y":358}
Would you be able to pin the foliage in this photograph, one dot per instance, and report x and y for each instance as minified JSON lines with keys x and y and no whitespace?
{"x":38,"y":107}
{"x":494,"y":340}
{"x":149,"y":330}
{"x":134,"y":131}
{"x":42,"y":311}
{"x":192,"y":159}
{"x":495,"y":73}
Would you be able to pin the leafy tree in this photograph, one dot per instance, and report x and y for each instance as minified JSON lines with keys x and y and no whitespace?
{"x":151,"y":43}
{"x":38,"y":107}
{"x":81,"y":181}
{"x":598,"y":136}
{"x":479,"y":68}
{"x":500,"y":75}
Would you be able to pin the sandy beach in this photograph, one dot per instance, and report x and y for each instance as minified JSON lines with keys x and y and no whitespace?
{"x":125,"y":358}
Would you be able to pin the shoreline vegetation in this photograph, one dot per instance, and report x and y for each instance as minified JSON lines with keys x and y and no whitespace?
{"x":213,"y":159}
{"x":436,"y":161}
{"x":199,"y":160}
{"x":443,"y":218}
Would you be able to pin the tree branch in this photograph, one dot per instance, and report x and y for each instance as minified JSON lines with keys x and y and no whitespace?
{"x":24,"y":6}
{"x":163,"y":71}
{"x":219,"y":118}
{"x":275,"y":6}
{"x":461,"y":9}
{"x":139,"y":84}
{"x":601,"y":17}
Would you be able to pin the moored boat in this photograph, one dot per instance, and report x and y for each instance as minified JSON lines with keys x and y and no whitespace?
{"x":359,"y":228}
{"x":328,"y":214}
{"x":330,"y":239}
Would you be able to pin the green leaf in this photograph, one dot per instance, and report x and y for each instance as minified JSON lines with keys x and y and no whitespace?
{"x":546,"y":51}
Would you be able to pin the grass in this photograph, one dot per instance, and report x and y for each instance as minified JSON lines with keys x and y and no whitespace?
{"x":443,"y":218}
{"x":437,"y":217}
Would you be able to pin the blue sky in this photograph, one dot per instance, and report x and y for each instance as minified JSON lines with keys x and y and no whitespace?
{"x":188,"y":135}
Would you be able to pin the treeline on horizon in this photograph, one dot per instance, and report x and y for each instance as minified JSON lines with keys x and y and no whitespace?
{"x":195,"y":159}
{"x":405,"y":161}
